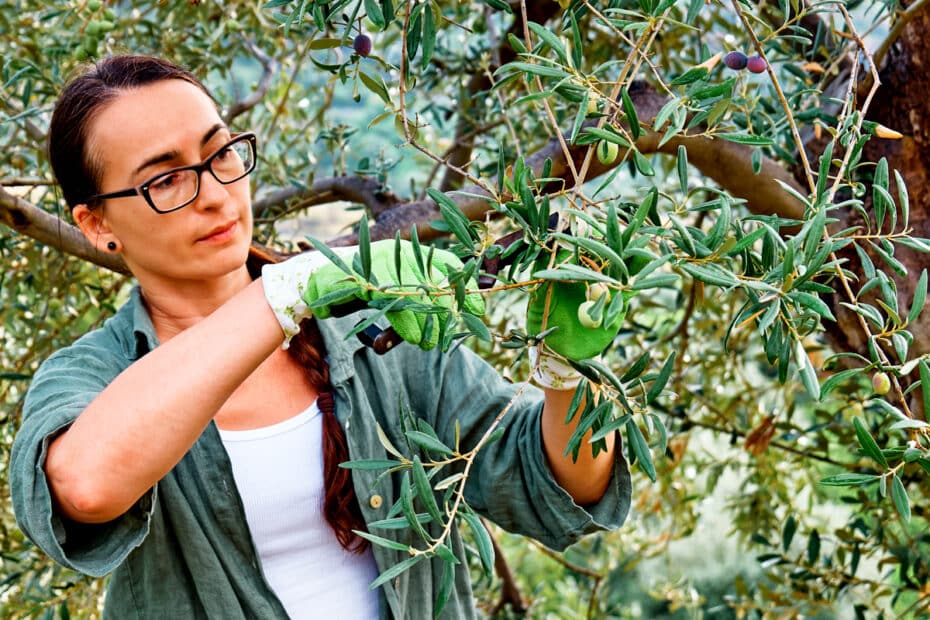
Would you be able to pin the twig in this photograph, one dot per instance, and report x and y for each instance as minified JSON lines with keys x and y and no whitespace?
{"x":630,"y":67}
{"x":575,"y":568}
{"x":409,"y":137}
{"x":844,"y":281}
{"x":25,"y":182}
{"x":921,"y":602}
{"x":510,"y":591}
{"x":269,"y":67}
{"x":799,"y":144}
{"x":32,"y":130}
{"x":553,"y":123}
{"x":644,"y":58}
{"x":461,"y":142}
{"x":469,"y":458}
{"x":279,"y":109}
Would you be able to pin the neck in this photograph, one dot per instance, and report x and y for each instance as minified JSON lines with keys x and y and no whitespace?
{"x":174,"y":308}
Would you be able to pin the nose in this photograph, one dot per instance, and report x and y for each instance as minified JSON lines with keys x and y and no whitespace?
{"x":213,"y":194}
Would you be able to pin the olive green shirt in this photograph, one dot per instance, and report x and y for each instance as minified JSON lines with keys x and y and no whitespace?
{"x":184,"y":550}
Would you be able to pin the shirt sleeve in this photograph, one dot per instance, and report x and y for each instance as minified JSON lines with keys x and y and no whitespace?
{"x":511,"y":482}
{"x":61,"y":389}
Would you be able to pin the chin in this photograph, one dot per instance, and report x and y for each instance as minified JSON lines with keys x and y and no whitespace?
{"x":233,"y":259}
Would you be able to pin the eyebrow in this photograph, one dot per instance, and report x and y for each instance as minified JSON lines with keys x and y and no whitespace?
{"x":169,"y":155}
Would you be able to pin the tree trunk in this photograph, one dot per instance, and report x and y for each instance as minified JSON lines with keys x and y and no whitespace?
{"x":901,"y":103}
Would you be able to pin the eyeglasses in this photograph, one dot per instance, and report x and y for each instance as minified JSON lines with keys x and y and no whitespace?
{"x":178,"y":187}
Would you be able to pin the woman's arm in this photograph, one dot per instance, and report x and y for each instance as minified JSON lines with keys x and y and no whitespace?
{"x":144,"y":422}
{"x":587,"y":478}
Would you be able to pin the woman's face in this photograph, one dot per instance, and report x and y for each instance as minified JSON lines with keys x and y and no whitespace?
{"x":144,"y":132}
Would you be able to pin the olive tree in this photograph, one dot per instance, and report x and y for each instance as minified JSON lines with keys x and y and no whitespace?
{"x":747,"y":174}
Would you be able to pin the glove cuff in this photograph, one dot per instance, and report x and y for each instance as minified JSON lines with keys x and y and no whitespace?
{"x":284,"y":284}
{"x":551,"y":372}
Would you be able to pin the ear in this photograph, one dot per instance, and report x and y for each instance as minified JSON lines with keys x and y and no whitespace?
{"x":93,"y":226}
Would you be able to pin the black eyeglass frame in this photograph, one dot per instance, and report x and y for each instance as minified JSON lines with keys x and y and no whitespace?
{"x":143,"y":188}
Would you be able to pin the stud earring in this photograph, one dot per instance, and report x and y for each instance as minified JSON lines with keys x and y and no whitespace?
{"x":111,"y":246}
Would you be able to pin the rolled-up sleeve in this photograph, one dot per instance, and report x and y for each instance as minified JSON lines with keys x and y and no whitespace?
{"x":511,"y":482}
{"x":61,"y":389}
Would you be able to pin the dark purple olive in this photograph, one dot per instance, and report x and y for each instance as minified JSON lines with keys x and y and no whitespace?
{"x":756,"y":64}
{"x":735,"y":60}
{"x":362,"y":45}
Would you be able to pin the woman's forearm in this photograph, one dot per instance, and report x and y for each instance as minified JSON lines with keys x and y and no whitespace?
{"x":143,"y":423}
{"x":587,"y":478}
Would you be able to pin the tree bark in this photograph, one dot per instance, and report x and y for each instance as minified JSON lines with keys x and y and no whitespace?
{"x":901,"y":103}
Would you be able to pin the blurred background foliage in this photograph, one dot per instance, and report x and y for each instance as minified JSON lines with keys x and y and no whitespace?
{"x":770,"y":354}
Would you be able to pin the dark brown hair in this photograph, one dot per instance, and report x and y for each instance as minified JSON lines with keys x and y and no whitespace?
{"x":76,"y":170}
{"x":79,"y":178}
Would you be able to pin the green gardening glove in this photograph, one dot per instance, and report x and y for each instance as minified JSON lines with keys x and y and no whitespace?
{"x":583,"y":329}
{"x":422,"y":327}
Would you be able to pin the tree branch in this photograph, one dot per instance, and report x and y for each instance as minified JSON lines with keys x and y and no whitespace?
{"x":32,"y":221}
{"x":510,"y":591}
{"x":363,"y":190}
{"x":269,"y":67}
{"x":727,"y":163}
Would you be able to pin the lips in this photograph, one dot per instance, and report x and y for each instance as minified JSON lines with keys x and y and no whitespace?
{"x":220,"y":233}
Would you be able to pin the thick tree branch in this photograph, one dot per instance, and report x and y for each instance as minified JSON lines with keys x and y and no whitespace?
{"x":727,"y":163}
{"x":269,"y":67}
{"x":32,"y":221}
{"x":53,"y":231}
{"x":363,"y":190}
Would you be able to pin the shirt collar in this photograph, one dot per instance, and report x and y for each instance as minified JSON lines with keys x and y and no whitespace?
{"x":144,"y":338}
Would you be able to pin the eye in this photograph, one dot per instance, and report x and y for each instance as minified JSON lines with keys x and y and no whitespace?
{"x":224,"y":153}
{"x":166,"y":182}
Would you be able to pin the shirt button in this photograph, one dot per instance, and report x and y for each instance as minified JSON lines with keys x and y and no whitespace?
{"x":375,"y":501}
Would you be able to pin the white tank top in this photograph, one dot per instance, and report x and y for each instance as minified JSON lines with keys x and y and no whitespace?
{"x":279,"y":473}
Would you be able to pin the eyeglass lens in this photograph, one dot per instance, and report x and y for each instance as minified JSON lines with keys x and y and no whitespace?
{"x":174,"y":189}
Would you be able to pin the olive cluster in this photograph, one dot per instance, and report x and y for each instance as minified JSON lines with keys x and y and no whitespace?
{"x":96,"y":30}
{"x":739,"y":61}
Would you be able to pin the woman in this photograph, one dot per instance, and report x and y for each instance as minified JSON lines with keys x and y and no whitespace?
{"x":183,"y":449}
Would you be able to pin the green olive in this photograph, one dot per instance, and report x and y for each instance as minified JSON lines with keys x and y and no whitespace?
{"x":607,"y":152}
{"x":411,"y":126}
{"x":881,"y":384}
{"x":585,"y":318}
{"x":592,"y":105}
{"x":595,"y":291}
